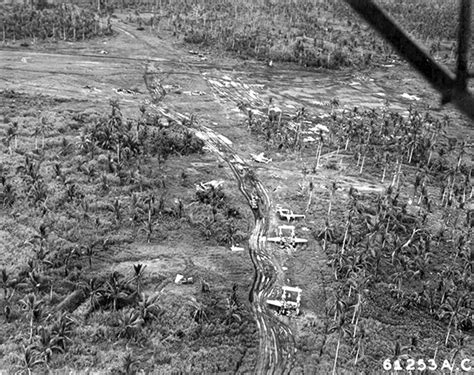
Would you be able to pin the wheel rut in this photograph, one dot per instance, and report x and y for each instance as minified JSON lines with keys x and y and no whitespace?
{"x":277,"y":346}
{"x":276,"y":352}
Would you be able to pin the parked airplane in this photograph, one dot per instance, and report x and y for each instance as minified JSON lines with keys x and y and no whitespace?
{"x":285,"y":238}
{"x":260,"y":158}
{"x":290,"y":301}
{"x":288,"y":215}
{"x":208,"y":185}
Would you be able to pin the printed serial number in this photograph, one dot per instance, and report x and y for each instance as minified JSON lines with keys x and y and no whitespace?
{"x":428,"y":365}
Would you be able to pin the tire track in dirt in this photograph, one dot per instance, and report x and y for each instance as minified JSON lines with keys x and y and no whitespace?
{"x":276,"y":350}
{"x":277,"y":345}
{"x":276,"y":340}
{"x":25,"y":52}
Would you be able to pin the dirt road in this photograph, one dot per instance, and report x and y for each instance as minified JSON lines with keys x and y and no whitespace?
{"x":276,"y":339}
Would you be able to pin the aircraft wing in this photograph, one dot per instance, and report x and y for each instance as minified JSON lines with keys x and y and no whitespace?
{"x":214,"y":183}
{"x":275,"y":302}
{"x":300,"y":240}
{"x":274,"y":239}
{"x":297,"y":216}
{"x":257,"y":158}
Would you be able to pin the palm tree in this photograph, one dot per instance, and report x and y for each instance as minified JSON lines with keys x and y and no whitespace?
{"x":327,"y":234}
{"x":232,"y":307}
{"x":31,"y":170}
{"x":113,"y":289}
{"x":205,"y":287}
{"x":33,"y":306}
{"x":398,"y":277}
{"x":139,"y":270}
{"x":342,"y":329}
{"x":12,"y":134}
{"x":4,"y":281}
{"x":149,"y":308}
{"x":455,"y":309}
{"x":230,"y":234}
{"x":47,"y":344}
{"x":130,"y":324}
{"x":311,"y":187}
{"x":458,"y":343}
{"x":29,"y":360}
{"x":346,"y":232}
{"x":43,"y":126}
{"x":358,"y":283}
{"x":35,"y":280}
{"x":199,"y":313}
{"x":9,"y":196}
{"x":150,"y":201}
{"x":340,"y":306}
{"x":331,"y":197}
{"x":62,"y":330}
{"x":128,"y":364}
{"x":38,"y":192}
{"x":93,"y":288}
{"x":89,"y":252}
{"x":399,"y":352}
{"x":362,"y":335}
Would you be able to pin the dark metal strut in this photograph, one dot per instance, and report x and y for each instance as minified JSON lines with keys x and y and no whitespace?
{"x":453,"y":88}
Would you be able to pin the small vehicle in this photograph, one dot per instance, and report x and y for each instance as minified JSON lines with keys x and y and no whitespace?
{"x":290,"y":301}
{"x":288,"y":215}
